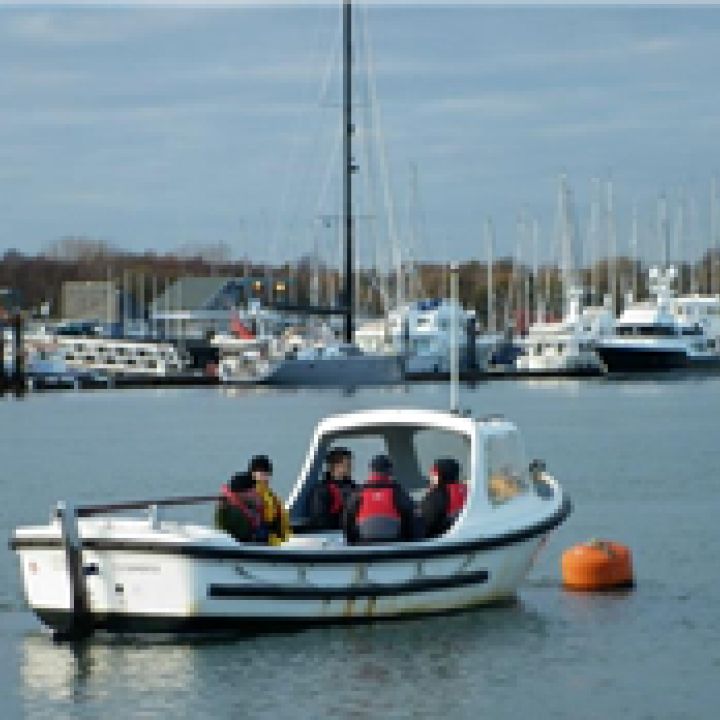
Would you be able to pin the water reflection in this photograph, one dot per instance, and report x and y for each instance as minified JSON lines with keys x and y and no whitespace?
{"x":58,"y":677}
{"x":343,"y":671}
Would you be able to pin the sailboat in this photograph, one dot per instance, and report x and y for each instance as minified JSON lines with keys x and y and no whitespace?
{"x":339,"y":363}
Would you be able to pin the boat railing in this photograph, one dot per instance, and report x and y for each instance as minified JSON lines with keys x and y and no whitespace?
{"x":78,"y":624}
{"x":110,"y":509}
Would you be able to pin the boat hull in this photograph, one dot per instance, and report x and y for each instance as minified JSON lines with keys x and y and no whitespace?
{"x":146,"y":587}
{"x":639,"y":359}
{"x":342,"y":371}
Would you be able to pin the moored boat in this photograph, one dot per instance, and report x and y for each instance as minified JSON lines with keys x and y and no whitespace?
{"x":99,"y":568}
{"x":650,"y":336}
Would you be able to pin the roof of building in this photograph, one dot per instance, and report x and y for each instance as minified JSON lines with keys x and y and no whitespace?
{"x":191,"y":293}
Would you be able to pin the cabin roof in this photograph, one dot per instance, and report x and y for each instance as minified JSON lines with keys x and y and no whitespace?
{"x":404,"y":416}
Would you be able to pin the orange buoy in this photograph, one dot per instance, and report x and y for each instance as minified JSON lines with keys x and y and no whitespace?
{"x":597,"y":565}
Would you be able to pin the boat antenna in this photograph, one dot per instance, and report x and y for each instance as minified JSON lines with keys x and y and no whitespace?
{"x":454,"y":354}
{"x":348,"y":168}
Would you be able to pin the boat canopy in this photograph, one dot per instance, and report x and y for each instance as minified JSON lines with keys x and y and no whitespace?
{"x":489,"y":452}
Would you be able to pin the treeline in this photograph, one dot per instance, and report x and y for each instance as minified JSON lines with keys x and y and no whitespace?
{"x":28,"y":281}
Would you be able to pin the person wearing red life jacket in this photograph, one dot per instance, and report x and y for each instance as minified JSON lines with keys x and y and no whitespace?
{"x":381,"y":510}
{"x":332,"y":493}
{"x":239,"y":511}
{"x":445,"y":499}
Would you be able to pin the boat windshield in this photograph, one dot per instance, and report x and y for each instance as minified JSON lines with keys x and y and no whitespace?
{"x":507,"y":468}
{"x":412,"y":449}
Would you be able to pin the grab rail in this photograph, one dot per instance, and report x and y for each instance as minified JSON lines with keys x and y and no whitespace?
{"x":91,"y":510}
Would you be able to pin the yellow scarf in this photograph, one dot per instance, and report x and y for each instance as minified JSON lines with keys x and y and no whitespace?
{"x":272,"y":509}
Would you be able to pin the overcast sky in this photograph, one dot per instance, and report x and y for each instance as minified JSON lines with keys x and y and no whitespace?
{"x":169,"y":127}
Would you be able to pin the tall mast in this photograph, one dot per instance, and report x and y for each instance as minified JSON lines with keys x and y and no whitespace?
{"x":490,"y":244}
{"x":348,"y":168}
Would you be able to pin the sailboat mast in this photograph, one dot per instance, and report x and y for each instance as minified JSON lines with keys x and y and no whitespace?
{"x":347,"y":169}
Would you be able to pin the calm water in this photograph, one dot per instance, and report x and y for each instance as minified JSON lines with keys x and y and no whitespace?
{"x":641,"y":461}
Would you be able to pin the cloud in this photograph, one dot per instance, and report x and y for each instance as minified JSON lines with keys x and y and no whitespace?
{"x":265,"y":72}
{"x":70,"y":26}
{"x":22,"y":77}
{"x":490,"y":103}
{"x":516,"y":103}
{"x":620,"y":50}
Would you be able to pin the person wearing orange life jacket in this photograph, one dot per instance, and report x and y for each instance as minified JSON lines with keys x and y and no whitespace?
{"x":239,"y":511}
{"x":381,"y":510}
{"x":332,"y":493}
{"x":445,"y":499}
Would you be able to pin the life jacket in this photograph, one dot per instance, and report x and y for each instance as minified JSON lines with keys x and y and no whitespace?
{"x":235,"y":500}
{"x":456,"y":497}
{"x":377,"y":517}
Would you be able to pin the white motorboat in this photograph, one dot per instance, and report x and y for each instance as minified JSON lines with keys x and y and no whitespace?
{"x":99,"y":568}
{"x":44,"y":366}
{"x":422,"y":331}
{"x":566,"y":347}
{"x":654,"y":336}
{"x":703,"y":311}
{"x":108,"y":356}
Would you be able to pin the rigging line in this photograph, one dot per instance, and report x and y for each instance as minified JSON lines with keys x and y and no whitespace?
{"x":373,"y":240}
{"x":387,"y":194}
{"x":368,"y":199}
{"x":286,"y":214}
{"x":330,"y":168}
{"x":370,"y":186}
{"x":419,"y":230}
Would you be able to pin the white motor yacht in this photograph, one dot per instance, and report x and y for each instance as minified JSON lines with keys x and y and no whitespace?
{"x":703,"y":311}
{"x":422,"y":330}
{"x":566,"y":347}
{"x":100,"y":568}
{"x":650,"y":336}
{"x":106,"y":355}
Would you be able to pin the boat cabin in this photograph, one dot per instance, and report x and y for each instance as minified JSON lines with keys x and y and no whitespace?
{"x":490,"y":454}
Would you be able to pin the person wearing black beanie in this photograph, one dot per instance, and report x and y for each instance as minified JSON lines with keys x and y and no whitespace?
{"x":444,"y":499}
{"x":331,"y":494}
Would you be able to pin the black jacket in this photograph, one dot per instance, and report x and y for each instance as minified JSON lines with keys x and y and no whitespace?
{"x":403,"y":504}
{"x":320,"y":503}
{"x":433,"y":510}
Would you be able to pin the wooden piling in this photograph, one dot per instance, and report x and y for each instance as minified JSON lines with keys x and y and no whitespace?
{"x":18,"y":371}
{"x":3,"y":376}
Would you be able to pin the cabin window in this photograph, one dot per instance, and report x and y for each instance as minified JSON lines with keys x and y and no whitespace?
{"x":412,"y":450}
{"x":507,"y":469}
{"x":431,"y":444}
